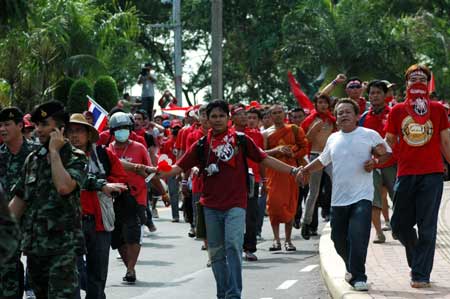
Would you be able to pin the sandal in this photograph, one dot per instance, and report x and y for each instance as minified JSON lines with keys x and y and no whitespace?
{"x":276,"y":246}
{"x":289,"y":246}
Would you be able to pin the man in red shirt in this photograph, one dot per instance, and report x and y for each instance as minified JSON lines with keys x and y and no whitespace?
{"x":168,"y":149}
{"x":221,"y":162}
{"x":134,"y":159}
{"x":383,"y":174}
{"x":239,"y":118}
{"x":354,"y":89}
{"x":105,"y":176}
{"x":418,"y":130}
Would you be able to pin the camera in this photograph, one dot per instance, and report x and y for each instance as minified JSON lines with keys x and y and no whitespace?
{"x":212,"y":169}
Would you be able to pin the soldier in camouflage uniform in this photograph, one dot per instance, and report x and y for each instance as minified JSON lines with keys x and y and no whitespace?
{"x":8,"y":231}
{"x":47,"y":198}
{"x":13,"y":153}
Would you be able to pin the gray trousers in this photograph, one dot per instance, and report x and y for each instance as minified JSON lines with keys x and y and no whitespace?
{"x":314,"y":189}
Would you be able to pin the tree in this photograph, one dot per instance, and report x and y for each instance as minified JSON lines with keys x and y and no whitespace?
{"x":105,"y":92}
{"x":77,"y":102}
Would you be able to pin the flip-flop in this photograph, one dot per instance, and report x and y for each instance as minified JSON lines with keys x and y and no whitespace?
{"x":276,"y":246}
{"x":289,"y":246}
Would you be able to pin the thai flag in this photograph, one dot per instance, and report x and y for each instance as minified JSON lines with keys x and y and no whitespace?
{"x":100,"y":114}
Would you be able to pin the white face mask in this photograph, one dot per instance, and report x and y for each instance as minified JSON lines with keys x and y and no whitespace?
{"x":122,"y":135}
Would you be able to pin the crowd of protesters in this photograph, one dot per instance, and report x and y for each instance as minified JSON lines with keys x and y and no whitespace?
{"x":75,"y":192}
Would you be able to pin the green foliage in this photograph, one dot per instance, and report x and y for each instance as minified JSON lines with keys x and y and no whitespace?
{"x":77,"y":102}
{"x":62,"y":90}
{"x":105,"y":92}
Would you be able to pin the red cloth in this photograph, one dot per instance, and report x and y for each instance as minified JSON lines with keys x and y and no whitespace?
{"x":417,"y":98}
{"x":431,"y":85}
{"x":301,"y":97}
{"x":105,"y":135}
{"x":194,"y":136}
{"x":90,"y":204}
{"x":310,"y":119}
{"x":186,"y":133}
{"x":378,"y":123}
{"x":258,"y":138}
{"x":217,"y":191}
{"x":181,"y":132}
{"x":134,"y":153}
{"x":415,"y":160}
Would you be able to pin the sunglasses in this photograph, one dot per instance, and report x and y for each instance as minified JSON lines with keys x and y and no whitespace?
{"x":354,"y":86}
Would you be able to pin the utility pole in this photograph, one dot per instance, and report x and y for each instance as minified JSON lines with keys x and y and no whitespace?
{"x":176,"y":19}
{"x":216,"y":49}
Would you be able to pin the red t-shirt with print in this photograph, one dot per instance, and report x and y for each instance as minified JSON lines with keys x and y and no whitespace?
{"x":418,"y":151}
{"x":194,"y":136}
{"x":134,"y":153}
{"x":228,"y":188}
{"x":378,"y":123}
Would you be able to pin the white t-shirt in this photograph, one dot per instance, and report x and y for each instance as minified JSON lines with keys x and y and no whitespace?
{"x":349,"y":152}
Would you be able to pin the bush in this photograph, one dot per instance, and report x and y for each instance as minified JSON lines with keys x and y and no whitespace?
{"x":105,"y":92}
{"x":77,"y":102}
{"x":62,"y":90}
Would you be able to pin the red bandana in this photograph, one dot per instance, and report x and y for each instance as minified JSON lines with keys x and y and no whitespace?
{"x":323,"y":116}
{"x":417,"y":102}
{"x":223,"y":146}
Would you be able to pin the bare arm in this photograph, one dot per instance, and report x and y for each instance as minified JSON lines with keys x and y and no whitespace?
{"x":381,"y":154}
{"x":391,"y":139}
{"x":17,"y":207}
{"x":305,"y":172}
{"x":277,"y":165}
{"x":340,"y":78}
{"x":158,"y":126}
{"x":445,"y":144}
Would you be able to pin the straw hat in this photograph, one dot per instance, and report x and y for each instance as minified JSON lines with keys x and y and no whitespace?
{"x":78,"y":118}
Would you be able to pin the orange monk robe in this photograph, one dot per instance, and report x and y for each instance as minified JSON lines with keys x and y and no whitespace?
{"x":282,"y":190}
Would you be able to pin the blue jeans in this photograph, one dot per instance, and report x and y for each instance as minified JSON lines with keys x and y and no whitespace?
{"x":416,"y":201}
{"x":225,"y":231}
{"x":350,"y":232}
{"x":262,"y":202}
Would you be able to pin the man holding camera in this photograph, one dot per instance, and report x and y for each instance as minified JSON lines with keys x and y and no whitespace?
{"x":148,"y":79}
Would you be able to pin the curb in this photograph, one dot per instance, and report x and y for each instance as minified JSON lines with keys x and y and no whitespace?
{"x":333,"y":269}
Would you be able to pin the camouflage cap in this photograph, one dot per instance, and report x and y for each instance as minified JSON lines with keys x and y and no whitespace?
{"x":11,"y":113}
{"x":46,"y":110}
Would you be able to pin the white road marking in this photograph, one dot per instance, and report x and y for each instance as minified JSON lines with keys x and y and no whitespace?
{"x":309,"y":268}
{"x":287,"y":284}
{"x":267,"y":298}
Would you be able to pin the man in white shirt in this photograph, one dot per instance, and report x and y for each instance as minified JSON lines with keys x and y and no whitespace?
{"x":353,"y":151}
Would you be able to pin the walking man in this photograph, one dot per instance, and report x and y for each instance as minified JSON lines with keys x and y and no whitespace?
{"x":351,"y":150}
{"x":418,"y":129}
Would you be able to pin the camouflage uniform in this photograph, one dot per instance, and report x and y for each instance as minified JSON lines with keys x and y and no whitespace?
{"x":11,"y":271}
{"x":8,"y":233}
{"x":51,"y":224}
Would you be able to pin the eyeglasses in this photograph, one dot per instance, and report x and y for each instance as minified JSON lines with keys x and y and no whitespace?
{"x":354,"y":86}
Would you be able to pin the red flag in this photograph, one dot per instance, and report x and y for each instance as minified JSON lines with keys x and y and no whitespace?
{"x":431,"y":86}
{"x":301,"y":97}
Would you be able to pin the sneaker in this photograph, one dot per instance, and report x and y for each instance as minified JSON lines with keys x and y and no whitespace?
{"x":387,"y":226}
{"x":191,"y":233}
{"x":155,"y":213}
{"x":380,"y":238}
{"x":313,"y":232}
{"x":130,"y":278}
{"x":208,"y":264}
{"x":204,"y":247}
{"x":249,"y":256}
{"x":30,"y":294}
{"x":361,"y":286}
{"x":348,"y":277}
{"x":175,"y":220}
{"x":305,"y":231}
{"x":420,"y":284}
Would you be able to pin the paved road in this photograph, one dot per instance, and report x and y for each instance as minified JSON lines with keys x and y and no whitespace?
{"x":172,"y":265}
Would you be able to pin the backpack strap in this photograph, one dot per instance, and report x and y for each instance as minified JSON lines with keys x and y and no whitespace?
{"x":362,"y":119}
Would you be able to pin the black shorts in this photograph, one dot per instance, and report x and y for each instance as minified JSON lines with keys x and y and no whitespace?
{"x":127,"y":227}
